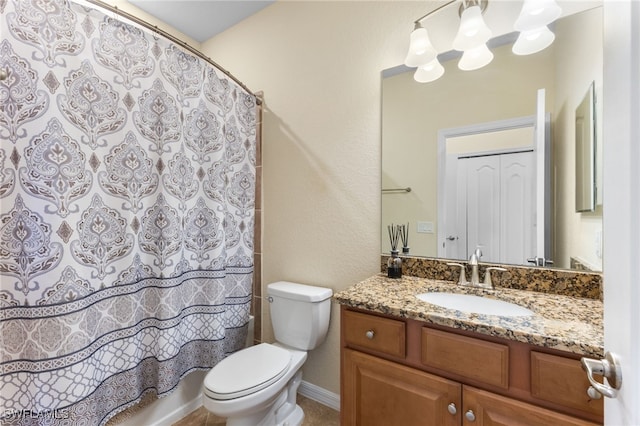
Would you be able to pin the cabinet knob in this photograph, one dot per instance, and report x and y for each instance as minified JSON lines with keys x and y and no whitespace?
{"x":470,"y":416}
{"x":370,"y":334}
{"x":452,"y":409}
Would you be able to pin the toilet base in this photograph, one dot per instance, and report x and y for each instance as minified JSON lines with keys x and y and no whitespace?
{"x":295,"y":418}
{"x":283,"y":412}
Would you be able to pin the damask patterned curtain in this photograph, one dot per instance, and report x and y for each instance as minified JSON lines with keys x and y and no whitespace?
{"x":127,"y":184}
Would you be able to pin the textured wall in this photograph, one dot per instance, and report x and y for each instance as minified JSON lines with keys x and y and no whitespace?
{"x":319,"y":66}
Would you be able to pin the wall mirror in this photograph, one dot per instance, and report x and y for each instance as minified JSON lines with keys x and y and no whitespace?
{"x":586,"y":153}
{"x":414,"y":114}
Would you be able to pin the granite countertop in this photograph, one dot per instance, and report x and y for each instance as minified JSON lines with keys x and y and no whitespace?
{"x":571,"y":324}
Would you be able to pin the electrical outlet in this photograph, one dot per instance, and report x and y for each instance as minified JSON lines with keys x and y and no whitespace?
{"x":598,"y":243}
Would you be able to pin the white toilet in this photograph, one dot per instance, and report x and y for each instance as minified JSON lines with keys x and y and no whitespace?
{"x":258,"y":385}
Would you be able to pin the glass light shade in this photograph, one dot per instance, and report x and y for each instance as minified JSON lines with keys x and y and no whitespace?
{"x":473,"y":31}
{"x":421,"y":51}
{"x":533,"y":41}
{"x":536,"y":14}
{"x":429,"y":72}
{"x":473,"y":59}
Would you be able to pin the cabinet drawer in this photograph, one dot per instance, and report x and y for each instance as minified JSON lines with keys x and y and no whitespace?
{"x":475,"y":359}
{"x":375,"y":333}
{"x":562,"y":381}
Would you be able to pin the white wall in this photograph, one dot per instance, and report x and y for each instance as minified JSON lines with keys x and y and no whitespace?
{"x":319,"y":66}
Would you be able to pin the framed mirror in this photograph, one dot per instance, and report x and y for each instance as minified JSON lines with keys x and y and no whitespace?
{"x":414,"y":113}
{"x":586,"y":153}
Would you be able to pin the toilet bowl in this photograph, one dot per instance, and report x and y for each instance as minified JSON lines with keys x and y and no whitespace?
{"x":258,"y":385}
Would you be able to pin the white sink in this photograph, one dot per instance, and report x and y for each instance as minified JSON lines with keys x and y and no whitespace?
{"x":475,"y":304}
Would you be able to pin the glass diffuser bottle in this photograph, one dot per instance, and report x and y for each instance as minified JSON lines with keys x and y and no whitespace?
{"x":394,"y":265}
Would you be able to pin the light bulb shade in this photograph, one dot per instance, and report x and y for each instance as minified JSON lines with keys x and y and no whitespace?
{"x":536,"y":14}
{"x":473,"y":59}
{"x":473,"y":31}
{"x":429,"y":72}
{"x":533,"y":41}
{"x":421,"y":51}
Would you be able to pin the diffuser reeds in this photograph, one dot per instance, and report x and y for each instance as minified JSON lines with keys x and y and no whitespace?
{"x":394,"y":236}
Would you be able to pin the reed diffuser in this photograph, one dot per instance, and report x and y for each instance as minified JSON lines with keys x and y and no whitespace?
{"x":394,"y":263}
{"x":404,"y":236}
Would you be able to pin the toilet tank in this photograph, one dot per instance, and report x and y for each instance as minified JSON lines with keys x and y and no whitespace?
{"x":299,"y":313}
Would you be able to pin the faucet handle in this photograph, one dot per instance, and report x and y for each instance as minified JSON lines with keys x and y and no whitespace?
{"x":540,"y":261}
{"x":487,"y":275}
{"x":463,"y":275}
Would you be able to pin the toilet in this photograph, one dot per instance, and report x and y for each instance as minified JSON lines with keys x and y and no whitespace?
{"x":258,"y":385}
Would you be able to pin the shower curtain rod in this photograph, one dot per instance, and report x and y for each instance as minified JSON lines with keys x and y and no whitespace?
{"x":174,"y":39}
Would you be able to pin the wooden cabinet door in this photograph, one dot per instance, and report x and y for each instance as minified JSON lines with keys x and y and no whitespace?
{"x":563,"y":381}
{"x":489,"y":409}
{"x":379,"y":392}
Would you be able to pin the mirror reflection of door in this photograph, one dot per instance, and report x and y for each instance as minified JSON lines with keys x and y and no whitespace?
{"x":497,"y":193}
{"x":490,"y":194}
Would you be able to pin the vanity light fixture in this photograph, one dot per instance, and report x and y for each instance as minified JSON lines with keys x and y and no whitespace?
{"x":536,"y":14}
{"x":532,"y":41}
{"x":532,"y":23}
{"x":429,"y":72}
{"x":475,"y":58}
{"x":473,"y":31}
{"x":421,"y":51}
{"x":473,"y":34}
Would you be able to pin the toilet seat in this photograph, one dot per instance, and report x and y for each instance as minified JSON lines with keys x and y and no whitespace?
{"x":247,"y":371}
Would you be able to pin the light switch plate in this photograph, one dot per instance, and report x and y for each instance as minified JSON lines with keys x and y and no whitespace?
{"x":425,"y":227}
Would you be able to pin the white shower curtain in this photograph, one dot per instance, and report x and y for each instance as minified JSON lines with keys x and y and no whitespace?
{"x":127,"y":185}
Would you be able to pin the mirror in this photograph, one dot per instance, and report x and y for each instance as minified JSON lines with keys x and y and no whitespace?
{"x":585,"y":154}
{"x":414,"y":113}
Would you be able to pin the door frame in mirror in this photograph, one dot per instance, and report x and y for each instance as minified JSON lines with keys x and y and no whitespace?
{"x":447,"y":172}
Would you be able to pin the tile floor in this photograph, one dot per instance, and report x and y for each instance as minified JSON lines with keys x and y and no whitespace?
{"x":315,"y":414}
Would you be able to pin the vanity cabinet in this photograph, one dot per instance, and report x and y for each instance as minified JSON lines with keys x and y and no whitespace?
{"x":405,"y":372}
{"x":381,"y":392}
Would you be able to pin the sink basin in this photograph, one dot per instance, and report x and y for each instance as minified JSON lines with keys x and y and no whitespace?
{"x":475,"y":304}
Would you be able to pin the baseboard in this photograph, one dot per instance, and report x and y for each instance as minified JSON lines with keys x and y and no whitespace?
{"x":185,"y":399}
{"x":160,"y":412}
{"x":320,"y":395}
{"x":180,"y":412}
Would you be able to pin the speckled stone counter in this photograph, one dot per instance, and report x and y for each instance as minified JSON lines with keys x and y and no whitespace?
{"x":571,"y":324}
{"x":543,"y":280}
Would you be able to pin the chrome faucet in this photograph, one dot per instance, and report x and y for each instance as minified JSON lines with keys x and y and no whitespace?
{"x":473,"y":261}
{"x":475,"y":275}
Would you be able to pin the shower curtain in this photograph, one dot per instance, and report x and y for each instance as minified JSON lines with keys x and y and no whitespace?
{"x":127,"y":187}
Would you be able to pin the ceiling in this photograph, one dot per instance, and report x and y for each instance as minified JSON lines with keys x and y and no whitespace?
{"x":201,"y":19}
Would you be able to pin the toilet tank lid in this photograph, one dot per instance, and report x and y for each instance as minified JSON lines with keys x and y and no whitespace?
{"x":295,"y":291}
